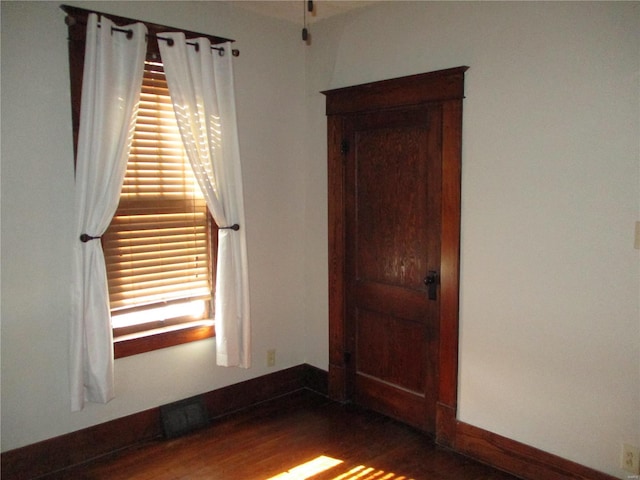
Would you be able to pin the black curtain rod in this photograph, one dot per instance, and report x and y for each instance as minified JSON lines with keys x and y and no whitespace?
{"x":77,"y":17}
{"x":170,"y":42}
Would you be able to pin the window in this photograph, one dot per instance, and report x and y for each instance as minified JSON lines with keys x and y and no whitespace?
{"x":159,"y":248}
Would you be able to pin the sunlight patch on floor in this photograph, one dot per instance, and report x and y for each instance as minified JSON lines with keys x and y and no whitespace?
{"x":324,"y":463}
{"x":308,"y":469}
{"x":362,"y":472}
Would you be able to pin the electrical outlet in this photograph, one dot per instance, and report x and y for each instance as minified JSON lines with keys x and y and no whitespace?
{"x":271,"y":358}
{"x":630,"y":458}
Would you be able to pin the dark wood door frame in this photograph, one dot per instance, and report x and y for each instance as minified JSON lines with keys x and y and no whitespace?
{"x":446,"y":88}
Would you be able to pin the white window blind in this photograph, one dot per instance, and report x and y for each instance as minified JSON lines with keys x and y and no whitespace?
{"x":157,"y":248}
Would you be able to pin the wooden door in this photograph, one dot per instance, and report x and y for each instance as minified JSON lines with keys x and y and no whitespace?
{"x":394,"y":206}
{"x":392,"y":216}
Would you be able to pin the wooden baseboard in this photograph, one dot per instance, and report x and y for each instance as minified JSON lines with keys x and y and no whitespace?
{"x":519,"y":459}
{"x":38,"y":459}
{"x":316,"y":379}
{"x":51,"y":455}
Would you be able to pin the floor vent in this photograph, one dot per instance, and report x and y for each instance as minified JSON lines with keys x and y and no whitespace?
{"x":183,"y":417}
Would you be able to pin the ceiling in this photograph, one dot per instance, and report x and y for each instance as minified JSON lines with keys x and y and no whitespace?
{"x":293,"y":10}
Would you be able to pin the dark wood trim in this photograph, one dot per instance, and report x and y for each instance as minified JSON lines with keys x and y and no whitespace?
{"x":449,"y":264}
{"x":156,"y":340}
{"x":38,"y":459}
{"x":519,"y":459}
{"x":398,"y":92}
{"x":337,"y":305}
{"x":74,"y":448}
{"x":316,"y":379}
{"x":445,"y":87}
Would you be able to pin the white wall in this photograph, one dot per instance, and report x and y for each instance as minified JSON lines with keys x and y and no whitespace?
{"x":550,"y":318}
{"x":37,"y":204}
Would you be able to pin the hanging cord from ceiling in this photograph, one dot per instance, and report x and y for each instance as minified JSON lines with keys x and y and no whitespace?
{"x":307,"y":6}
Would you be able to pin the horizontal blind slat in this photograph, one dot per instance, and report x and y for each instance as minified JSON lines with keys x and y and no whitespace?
{"x":156,"y":296}
{"x":154,"y":280}
{"x":126,"y":275}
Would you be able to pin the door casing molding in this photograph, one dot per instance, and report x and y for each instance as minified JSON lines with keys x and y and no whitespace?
{"x":446,"y":88}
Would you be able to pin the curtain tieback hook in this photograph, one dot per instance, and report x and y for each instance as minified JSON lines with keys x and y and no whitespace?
{"x":235,"y":227}
{"x":84,"y":238}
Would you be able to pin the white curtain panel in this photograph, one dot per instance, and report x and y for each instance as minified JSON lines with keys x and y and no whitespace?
{"x":202,"y":91}
{"x":113,"y":69}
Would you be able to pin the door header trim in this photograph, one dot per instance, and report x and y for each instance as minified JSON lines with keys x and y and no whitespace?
{"x":417,"y":89}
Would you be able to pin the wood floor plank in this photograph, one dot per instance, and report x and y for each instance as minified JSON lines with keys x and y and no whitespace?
{"x":279,"y":439}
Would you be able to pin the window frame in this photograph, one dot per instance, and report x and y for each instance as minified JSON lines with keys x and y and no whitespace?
{"x":163,"y":336}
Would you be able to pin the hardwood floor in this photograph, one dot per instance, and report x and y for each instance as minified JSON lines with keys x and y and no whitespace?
{"x":280,"y":439}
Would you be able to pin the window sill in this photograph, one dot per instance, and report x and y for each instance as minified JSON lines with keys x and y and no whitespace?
{"x":133,"y":344}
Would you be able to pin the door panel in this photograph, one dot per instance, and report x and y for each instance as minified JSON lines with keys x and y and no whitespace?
{"x":386,"y":398}
{"x":392,"y":225}
{"x":397,"y":301}
{"x":390,"y":196}
{"x":382,"y":343}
